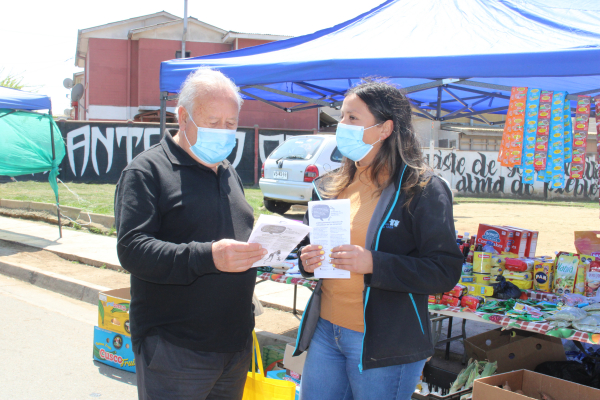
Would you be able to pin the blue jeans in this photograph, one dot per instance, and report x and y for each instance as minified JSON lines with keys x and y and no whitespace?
{"x":331,"y":370}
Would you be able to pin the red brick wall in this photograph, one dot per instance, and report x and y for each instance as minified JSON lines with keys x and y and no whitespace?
{"x":134,"y":74}
{"x":243,"y":43}
{"x":255,"y":112}
{"x":107,"y":72}
{"x":152,"y":52}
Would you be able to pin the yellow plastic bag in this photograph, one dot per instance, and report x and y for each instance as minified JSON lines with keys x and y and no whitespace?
{"x":259,"y":387}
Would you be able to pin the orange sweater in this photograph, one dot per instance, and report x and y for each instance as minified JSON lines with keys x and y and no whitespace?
{"x":342,"y":299}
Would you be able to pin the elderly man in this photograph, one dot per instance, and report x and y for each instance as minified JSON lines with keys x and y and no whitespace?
{"x":182,"y":220}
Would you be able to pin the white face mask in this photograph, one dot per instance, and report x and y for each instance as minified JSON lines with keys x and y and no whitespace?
{"x":212,"y":145}
{"x":350,"y":142}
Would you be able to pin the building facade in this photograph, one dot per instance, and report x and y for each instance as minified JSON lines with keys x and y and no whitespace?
{"x":121,"y":62}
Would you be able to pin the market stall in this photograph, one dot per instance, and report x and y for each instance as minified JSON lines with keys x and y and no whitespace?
{"x":27,"y":140}
{"x":533,"y":62}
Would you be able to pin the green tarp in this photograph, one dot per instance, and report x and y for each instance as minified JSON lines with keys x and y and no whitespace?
{"x":26,"y":147}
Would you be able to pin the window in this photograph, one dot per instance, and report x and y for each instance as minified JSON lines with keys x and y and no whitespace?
{"x":178,"y":54}
{"x":298,"y":148}
{"x":336,"y":156}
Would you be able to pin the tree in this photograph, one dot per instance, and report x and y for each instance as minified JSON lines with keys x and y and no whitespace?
{"x":11,"y":81}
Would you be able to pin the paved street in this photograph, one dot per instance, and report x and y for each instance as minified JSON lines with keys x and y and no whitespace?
{"x":46,"y":348}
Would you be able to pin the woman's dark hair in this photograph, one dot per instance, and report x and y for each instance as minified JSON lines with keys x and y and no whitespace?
{"x":387,"y":103}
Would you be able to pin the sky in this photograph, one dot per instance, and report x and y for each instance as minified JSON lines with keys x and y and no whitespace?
{"x":39,"y":36}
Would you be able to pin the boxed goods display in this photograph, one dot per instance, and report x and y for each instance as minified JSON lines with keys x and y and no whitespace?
{"x":458,"y":291}
{"x":514,"y":350}
{"x":451,"y":301}
{"x":113,"y":349}
{"x":497,"y":237}
{"x":481,"y":279}
{"x":523,"y":385}
{"x":113,"y":310}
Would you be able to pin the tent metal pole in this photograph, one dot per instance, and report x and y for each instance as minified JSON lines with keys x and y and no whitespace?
{"x":292,"y":95}
{"x":263,"y":100}
{"x":163,"y":113}
{"x":438,"y":114}
{"x":468,"y":115}
{"x":8,"y":113}
{"x":53,"y":158}
{"x":481,"y":92}
{"x":464,"y":103}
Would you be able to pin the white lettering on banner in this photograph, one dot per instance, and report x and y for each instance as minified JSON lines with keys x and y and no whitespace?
{"x":479,"y":173}
{"x":108,"y":143}
{"x":147,"y":133}
{"x":261,"y":144}
{"x":241,"y":140}
{"x":124,"y":131}
{"x":85,"y":143}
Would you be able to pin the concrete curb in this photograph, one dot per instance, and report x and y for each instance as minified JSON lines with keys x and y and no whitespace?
{"x":88,"y":292}
{"x":64,"y":285}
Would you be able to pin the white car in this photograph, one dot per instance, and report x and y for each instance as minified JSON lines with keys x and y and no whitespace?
{"x":287,"y":175}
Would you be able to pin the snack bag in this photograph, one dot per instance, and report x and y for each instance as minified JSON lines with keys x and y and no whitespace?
{"x":580,"y":278}
{"x":543,"y":278}
{"x":588,"y":242}
{"x":592,"y":281}
{"x":566,"y":270}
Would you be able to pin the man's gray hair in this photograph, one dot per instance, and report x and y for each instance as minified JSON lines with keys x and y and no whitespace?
{"x":202,"y":81}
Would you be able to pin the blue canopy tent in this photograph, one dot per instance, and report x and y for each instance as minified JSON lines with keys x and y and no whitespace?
{"x":455,"y":59}
{"x":25,"y":146}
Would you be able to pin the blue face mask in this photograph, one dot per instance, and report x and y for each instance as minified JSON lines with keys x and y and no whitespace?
{"x":212,"y":145}
{"x":350,"y":143}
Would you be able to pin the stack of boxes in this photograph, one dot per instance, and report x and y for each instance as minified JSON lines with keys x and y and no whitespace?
{"x":112,"y":336}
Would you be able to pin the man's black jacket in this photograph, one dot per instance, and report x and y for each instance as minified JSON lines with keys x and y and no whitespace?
{"x":168,"y":211}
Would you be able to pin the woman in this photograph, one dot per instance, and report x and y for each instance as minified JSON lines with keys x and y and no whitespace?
{"x":369,"y":336}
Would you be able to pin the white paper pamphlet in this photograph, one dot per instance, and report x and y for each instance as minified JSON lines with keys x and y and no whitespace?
{"x":330,"y":223}
{"x":279,"y":236}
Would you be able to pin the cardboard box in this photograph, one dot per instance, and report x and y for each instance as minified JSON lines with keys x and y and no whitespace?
{"x":514,"y":349}
{"x":113,"y":310}
{"x":294,"y":364}
{"x":531,"y":244}
{"x":519,"y":243}
{"x":499,"y":237}
{"x":113,"y":349}
{"x":531,"y":383}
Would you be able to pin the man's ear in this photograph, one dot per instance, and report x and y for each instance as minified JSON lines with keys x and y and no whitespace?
{"x":182,"y":117}
{"x":386,"y":129}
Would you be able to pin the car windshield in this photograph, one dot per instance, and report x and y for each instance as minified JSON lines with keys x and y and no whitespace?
{"x":300,"y":148}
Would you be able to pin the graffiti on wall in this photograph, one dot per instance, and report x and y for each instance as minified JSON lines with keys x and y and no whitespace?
{"x":98,"y":152}
{"x":480,"y":174}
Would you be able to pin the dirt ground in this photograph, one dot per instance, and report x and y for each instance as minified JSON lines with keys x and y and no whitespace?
{"x":555,"y":224}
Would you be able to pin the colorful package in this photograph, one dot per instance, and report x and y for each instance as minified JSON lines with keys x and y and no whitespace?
{"x":530,"y":129}
{"x":543,"y":131}
{"x":568,"y":132}
{"x":588,"y":242}
{"x":597,"y":102}
{"x":511,"y":147}
{"x":482,"y":262}
{"x":450,"y":301}
{"x":458,"y":291}
{"x":582,"y":116}
{"x":467,"y":279}
{"x":580,"y":277}
{"x":524,"y":276}
{"x":592,"y":284}
{"x":519,"y":264}
{"x":543,"y":276}
{"x":480,"y":290}
{"x":498,"y":238}
{"x":471,"y":302}
{"x":566,"y":270}
{"x":521,"y":284}
{"x":554,"y":174}
{"x":113,"y":349}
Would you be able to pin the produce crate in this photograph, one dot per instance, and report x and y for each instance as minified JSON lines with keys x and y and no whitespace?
{"x":437,"y":377}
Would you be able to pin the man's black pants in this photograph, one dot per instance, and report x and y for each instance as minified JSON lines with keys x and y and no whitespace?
{"x":166,"y":371}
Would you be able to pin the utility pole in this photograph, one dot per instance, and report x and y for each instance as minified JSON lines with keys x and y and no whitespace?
{"x":184,"y":29}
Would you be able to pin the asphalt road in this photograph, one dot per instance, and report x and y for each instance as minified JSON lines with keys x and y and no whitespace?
{"x":46,"y":343}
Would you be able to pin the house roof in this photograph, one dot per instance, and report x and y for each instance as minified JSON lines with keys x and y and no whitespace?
{"x":161,"y":19}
